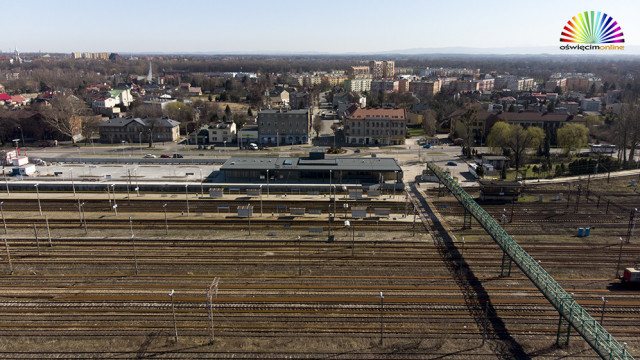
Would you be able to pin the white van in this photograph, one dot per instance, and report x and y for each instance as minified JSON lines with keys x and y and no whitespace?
{"x":253,"y":146}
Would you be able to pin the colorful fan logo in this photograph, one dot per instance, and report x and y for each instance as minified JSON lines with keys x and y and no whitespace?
{"x":592,"y":27}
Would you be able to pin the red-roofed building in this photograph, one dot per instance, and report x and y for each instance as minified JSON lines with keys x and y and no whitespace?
{"x":375,"y":126}
{"x":4,"y":98}
{"x":18,"y":100}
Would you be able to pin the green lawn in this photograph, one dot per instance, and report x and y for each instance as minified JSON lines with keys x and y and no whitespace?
{"x":416,"y":131}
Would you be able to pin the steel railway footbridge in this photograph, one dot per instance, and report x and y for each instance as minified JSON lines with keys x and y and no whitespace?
{"x":572,"y":315}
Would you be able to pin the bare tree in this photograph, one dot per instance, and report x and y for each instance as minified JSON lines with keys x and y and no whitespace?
{"x":89,"y":127}
{"x":64,"y":114}
{"x":316,"y":125}
{"x":429,"y":122}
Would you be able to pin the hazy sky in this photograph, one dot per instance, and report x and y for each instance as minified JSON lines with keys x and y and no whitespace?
{"x":338,"y":26}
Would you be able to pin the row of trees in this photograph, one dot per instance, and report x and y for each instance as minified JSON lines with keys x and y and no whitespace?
{"x":514,"y":140}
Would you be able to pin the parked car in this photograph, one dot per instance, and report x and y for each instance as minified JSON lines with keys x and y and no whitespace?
{"x":452,"y":163}
{"x":150,"y":156}
{"x":165,"y":156}
{"x":427,"y":146}
{"x":177,"y":156}
{"x":357,"y":150}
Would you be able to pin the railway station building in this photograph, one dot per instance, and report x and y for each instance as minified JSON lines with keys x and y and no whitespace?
{"x":314,"y":169}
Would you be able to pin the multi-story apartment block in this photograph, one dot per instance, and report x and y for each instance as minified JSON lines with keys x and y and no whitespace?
{"x":376,"y":69}
{"x":384,"y":86}
{"x":284,"y":127}
{"x":388,"y":69}
{"x":358,"y":70}
{"x":424,"y":88}
{"x":381,"y":69}
{"x":334,"y":80}
{"x":513,"y":83}
{"x":554,"y":82}
{"x":467,"y":85}
{"x":359,"y":85}
{"x":375,"y":126}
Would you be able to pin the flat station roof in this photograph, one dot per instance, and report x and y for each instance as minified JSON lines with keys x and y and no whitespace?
{"x":286,"y":163}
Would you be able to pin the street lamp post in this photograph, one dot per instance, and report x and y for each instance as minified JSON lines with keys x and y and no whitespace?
{"x":133,"y":244}
{"x":186,"y":194}
{"x":267,"y":183}
{"x":115,"y":205}
{"x":299,"y":258}
{"x":201,"y":182}
{"x":619,"y":257}
{"x":604,"y":304}
{"x":381,"y":315}
{"x":38,"y":195}
{"x":173,"y":308}
{"x":140,"y":139}
{"x":4,"y":222}
{"x":225,"y":145}
{"x":84,"y":218}
{"x":21,"y":135}
{"x":123,"y":149}
{"x":463,"y":246}
{"x":330,"y":183}
{"x":166,"y":224}
{"x":260,"y":199}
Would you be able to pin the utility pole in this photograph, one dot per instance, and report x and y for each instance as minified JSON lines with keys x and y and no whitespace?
{"x":604,"y":304}
{"x":4,"y":222}
{"x":46,"y":220}
{"x":166,"y":224}
{"x":175,"y":325}
{"x":299,"y":258}
{"x":84,"y":218}
{"x":133,"y":243}
{"x":186,"y":194}
{"x":619,"y":257}
{"x":35,"y":232}
{"x":381,"y":315}
{"x":211,"y":291}
{"x":6,"y":246}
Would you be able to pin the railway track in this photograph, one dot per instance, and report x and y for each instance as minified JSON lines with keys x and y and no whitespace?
{"x":81,"y":298}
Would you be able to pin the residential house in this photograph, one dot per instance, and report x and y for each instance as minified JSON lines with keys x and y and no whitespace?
{"x":221,"y":132}
{"x":592,"y":104}
{"x":138,"y":130}
{"x":158,"y":104}
{"x":279,"y":97}
{"x":18,"y":100}
{"x":284,"y":127}
{"x":375,"y":126}
{"x":299,"y":99}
